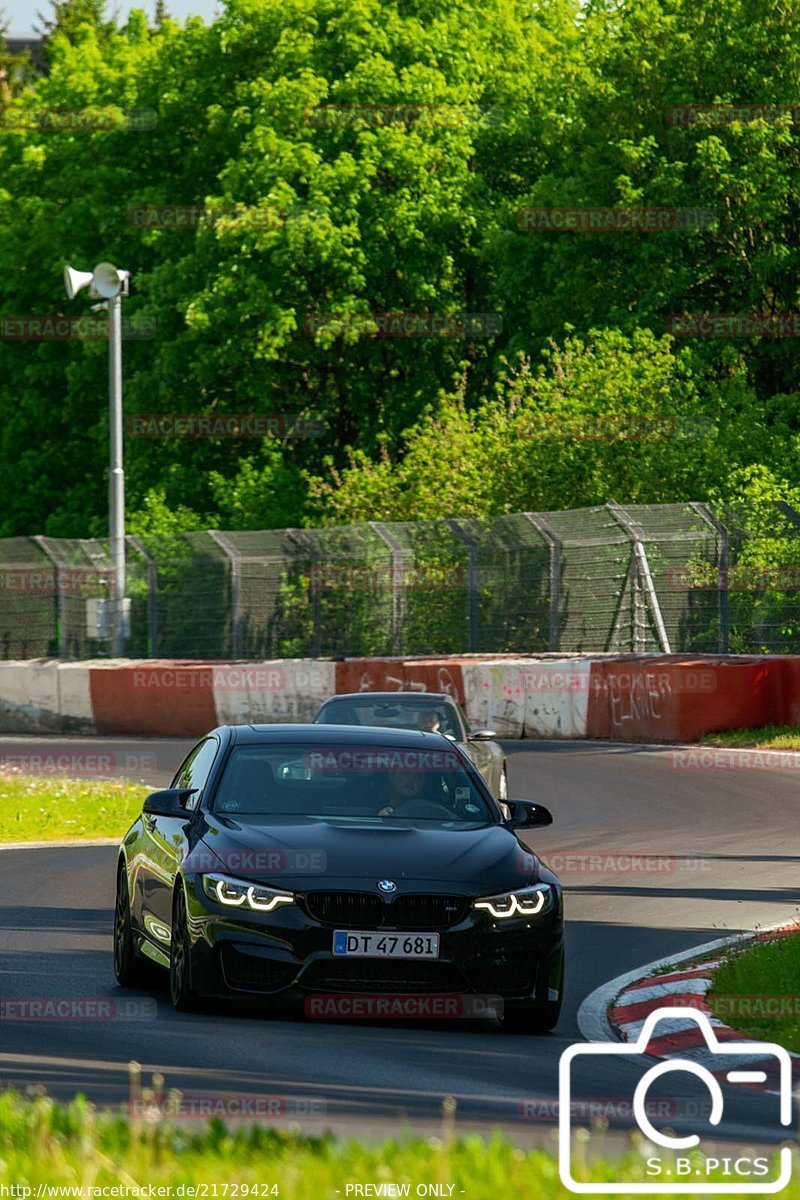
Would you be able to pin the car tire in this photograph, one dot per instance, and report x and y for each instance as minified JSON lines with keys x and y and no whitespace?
{"x":181,"y":992}
{"x":531,"y":1018}
{"x":130,"y":970}
{"x":534,"y":1018}
{"x":502,"y":793}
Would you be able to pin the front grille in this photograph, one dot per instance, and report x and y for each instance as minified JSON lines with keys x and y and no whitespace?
{"x":384,"y":975}
{"x":253,"y":973}
{"x":360,"y":910}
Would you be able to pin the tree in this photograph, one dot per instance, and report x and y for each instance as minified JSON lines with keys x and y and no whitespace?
{"x":607,"y":417}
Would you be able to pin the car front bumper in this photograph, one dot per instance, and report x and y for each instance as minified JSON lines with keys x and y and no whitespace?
{"x":288,"y":952}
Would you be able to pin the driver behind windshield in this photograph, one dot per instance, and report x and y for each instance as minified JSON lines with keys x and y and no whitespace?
{"x":416,"y":794}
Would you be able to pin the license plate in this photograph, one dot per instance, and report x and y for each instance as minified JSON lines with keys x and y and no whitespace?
{"x":385,"y":945}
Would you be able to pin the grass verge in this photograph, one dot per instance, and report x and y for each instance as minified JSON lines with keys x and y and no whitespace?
{"x":771,"y":737}
{"x":757,"y":991}
{"x":35,"y":808}
{"x":45,"y":1146}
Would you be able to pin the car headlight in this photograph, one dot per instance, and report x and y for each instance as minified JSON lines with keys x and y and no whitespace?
{"x":238,"y":893}
{"x":524,"y":902}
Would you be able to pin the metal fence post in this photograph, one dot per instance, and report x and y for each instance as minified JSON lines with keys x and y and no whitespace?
{"x":61,"y":599}
{"x":152,"y":593}
{"x":555,"y":550}
{"x":471,"y":543}
{"x":642,"y":578}
{"x":398,"y":599}
{"x":227,"y":546}
{"x":723,"y":564}
{"x":298,"y":537}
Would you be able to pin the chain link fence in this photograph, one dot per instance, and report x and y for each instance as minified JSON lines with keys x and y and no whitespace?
{"x":634,"y":578}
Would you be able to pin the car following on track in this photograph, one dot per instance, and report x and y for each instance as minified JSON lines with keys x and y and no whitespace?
{"x":431,"y":711}
{"x":288,"y":860}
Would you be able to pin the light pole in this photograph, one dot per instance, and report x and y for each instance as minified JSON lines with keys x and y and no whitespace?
{"x":109,"y":284}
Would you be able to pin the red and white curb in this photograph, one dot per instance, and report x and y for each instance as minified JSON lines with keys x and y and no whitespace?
{"x":619,"y":1010}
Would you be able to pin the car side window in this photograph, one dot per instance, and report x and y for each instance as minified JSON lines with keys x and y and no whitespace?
{"x":196,"y":768}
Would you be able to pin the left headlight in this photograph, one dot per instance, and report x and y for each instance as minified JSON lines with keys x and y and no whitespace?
{"x":524,"y":902}
{"x":238,"y":893}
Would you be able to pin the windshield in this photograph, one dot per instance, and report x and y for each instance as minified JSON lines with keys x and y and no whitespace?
{"x":352,"y":783}
{"x":430,"y":716}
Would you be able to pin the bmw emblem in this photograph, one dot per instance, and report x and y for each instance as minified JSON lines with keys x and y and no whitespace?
{"x":387,"y":886}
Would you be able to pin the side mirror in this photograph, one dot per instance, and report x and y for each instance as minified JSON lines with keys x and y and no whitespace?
{"x":170,"y":802}
{"x":482,"y":735}
{"x":526,"y":813}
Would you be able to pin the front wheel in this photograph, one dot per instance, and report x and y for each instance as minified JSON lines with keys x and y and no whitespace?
{"x":531,"y":1018}
{"x":181,"y":993}
{"x":129,"y":969}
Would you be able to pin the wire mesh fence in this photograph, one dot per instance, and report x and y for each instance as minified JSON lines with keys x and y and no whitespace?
{"x":634,"y":578}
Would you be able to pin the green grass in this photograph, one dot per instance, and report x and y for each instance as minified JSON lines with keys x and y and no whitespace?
{"x":44,"y":1144}
{"x":771,"y":737}
{"x":757,"y":991}
{"x":34,"y":808}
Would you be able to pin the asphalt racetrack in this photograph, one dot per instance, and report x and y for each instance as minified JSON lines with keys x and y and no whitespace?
{"x":717,"y":851}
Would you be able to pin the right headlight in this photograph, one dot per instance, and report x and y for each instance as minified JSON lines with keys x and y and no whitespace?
{"x":239,"y":893}
{"x":522,"y":902}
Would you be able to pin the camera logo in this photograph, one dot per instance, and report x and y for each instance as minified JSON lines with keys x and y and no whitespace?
{"x":676,"y":1172}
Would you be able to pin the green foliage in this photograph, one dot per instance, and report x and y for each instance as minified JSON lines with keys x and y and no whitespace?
{"x":755,"y":991}
{"x":44,"y":1143}
{"x":612,"y":416}
{"x":46,"y":809}
{"x":367,"y":158}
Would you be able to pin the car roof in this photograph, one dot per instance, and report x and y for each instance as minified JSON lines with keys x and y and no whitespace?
{"x":439,"y":697}
{"x":326,"y":735}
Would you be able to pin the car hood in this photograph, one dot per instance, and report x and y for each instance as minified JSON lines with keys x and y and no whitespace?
{"x":321,"y":855}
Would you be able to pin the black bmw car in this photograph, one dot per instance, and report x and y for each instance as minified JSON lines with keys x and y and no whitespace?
{"x":294,"y":860}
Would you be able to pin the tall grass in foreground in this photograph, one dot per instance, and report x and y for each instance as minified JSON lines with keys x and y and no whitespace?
{"x":74,"y":1146}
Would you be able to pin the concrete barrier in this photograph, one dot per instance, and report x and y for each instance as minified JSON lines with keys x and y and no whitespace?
{"x":29,"y":697}
{"x":655,"y":698}
{"x":667,"y":698}
{"x":270,"y":692}
{"x":153,"y":698}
